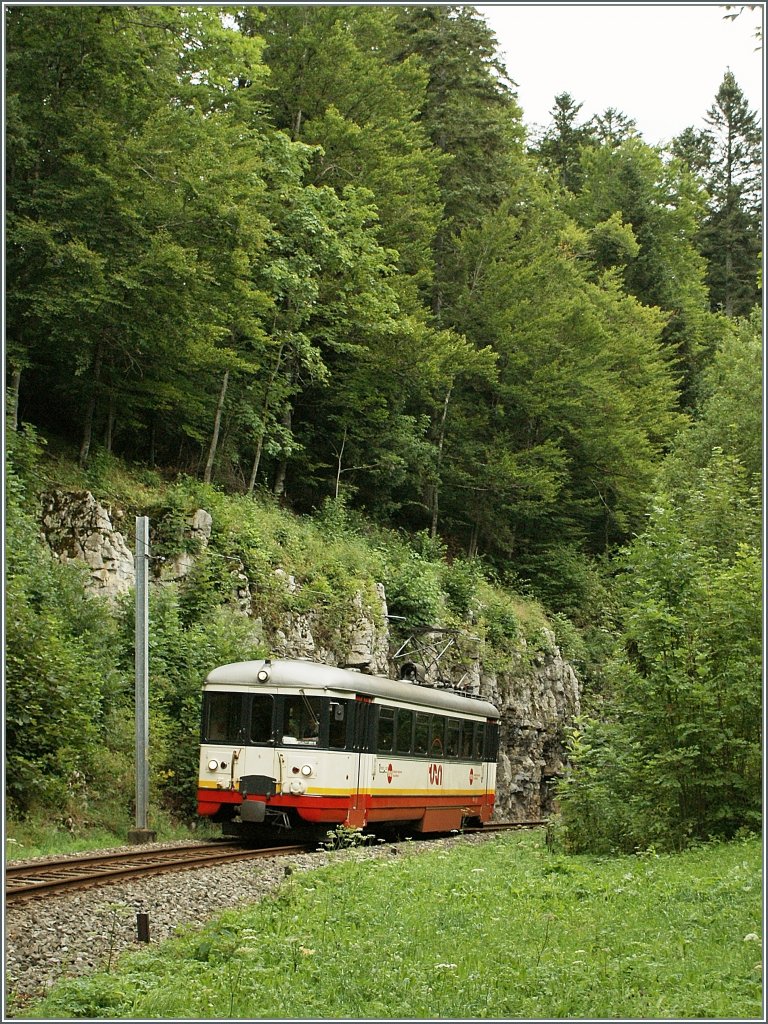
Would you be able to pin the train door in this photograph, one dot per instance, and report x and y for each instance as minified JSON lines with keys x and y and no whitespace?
{"x":257,"y":769}
{"x":359,"y":797}
{"x":341,"y":772}
{"x":491,"y":754}
{"x":477,"y":753}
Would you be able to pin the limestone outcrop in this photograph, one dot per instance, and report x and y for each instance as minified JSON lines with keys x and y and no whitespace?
{"x":537,"y":698}
{"x":79,"y":529}
{"x":362,"y":642}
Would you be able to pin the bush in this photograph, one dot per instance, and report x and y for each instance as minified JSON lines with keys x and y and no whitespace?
{"x":502,"y":625}
{"x":61,"y":671}
{"x":572,"y":584}
{"x":680,"y":758}
{"x":460,"y":582}
{"x":182,"y":653}
{"x":414,"y":591}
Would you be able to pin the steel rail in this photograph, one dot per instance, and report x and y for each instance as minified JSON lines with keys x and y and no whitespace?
{"x":504,"y":826}
{"x":24,"y":881}
{"x":48,"y":877}
{"x":15,"y":868}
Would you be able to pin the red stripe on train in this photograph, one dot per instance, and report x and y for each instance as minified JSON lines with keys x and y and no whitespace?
{"x":437,"y":812}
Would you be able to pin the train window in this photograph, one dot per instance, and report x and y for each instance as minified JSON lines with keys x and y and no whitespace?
{"x":386,"y":740}
{"x":491,"y":741}
{"x":301,"y":720}
{"x":437,"y":736}
{"x":404,"y":735}
{"x":337,"y":724}
{"x":421,"y":733}
{"x":477,"y":746}
{"x":466,"y":740}
{"x":453,"y":738}
{"x":221,"y":717}
{"x":261,"y":718}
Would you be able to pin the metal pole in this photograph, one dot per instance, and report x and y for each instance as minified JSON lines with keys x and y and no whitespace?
{"x":142,"y":674}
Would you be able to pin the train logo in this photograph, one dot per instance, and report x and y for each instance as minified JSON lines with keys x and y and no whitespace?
{"x":471,"y":776}
{"x":389,"y":772}
{"x":436,"y":774}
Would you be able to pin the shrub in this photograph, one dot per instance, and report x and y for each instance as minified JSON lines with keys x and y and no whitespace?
{"x":414,"y":591}
{"x":460,"y":581}
{"x":61,"y":672}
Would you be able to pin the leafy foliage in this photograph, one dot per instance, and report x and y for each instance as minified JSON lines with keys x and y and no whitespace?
{"x":679,"y":755}
{"x":61,"y":678}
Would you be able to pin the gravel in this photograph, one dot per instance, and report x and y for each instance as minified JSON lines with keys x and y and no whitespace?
{"x":47,"y":939}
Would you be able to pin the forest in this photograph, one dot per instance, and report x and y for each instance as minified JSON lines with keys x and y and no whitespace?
{"x":311,"y":256}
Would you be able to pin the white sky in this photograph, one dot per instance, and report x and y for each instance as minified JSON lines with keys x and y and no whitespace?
{"x":660,"y":64}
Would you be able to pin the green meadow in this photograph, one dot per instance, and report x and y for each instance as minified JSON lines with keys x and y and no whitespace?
{"x":506,"y":928}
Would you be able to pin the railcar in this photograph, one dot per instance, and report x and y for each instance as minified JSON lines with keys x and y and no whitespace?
{"x":302,"y":746}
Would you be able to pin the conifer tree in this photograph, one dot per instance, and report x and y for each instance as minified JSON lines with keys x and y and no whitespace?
{"x":560,"y":145}
{"x":471,"y":115}
{"x":731,"y":239}
{"x":663,"y":204}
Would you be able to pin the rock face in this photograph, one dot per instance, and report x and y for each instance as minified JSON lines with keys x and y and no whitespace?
{"x":537,"y":701}
{"x":197,"y":534}
{"x":79,"y":529}
{"x":361,"y":643}
{"x":537,"y":696}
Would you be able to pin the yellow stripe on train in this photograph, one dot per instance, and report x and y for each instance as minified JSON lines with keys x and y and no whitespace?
{"x":389,"y":791}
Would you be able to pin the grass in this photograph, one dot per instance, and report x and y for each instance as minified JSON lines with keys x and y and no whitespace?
{"x":503,"y":929}
{"x":38,"y":836}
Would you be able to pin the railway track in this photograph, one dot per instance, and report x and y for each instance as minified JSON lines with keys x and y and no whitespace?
{"x":504,"y":826}
{"x":25,"y":881}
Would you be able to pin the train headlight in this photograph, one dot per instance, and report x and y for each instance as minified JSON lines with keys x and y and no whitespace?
{"x":262,"y":675}
{"x":306,"y":769}
{"x":296,"y":787}
{"x":213,"y":764}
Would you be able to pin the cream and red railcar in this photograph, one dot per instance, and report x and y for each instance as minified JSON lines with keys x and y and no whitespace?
{"x":296,"y":744}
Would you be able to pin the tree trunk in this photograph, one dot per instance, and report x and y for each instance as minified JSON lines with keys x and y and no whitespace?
{"x":152,"y":440}
{"x":473,"y":540}
{"x":282,"y":466}
{"x":729,"y":304}
{"x":265,"y":409}
{"x":108,"y":433}
{"x":440,"y":444}
{"x":339,"y":463}
{"x":216,"y":428}
{"x":296,"y":129}
{"x":90,"y":409}
{"x":13,"y":403}
{"x":256,"y":461}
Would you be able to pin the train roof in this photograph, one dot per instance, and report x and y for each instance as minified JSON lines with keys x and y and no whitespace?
{"x":313,"y":676}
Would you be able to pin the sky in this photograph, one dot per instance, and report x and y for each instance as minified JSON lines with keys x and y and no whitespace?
{"x":660,"y":64}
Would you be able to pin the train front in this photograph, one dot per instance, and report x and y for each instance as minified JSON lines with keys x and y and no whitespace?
{"x":261,"y":750}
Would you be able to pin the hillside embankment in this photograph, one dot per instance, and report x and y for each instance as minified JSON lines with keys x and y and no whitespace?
{"x":302,"y":589}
